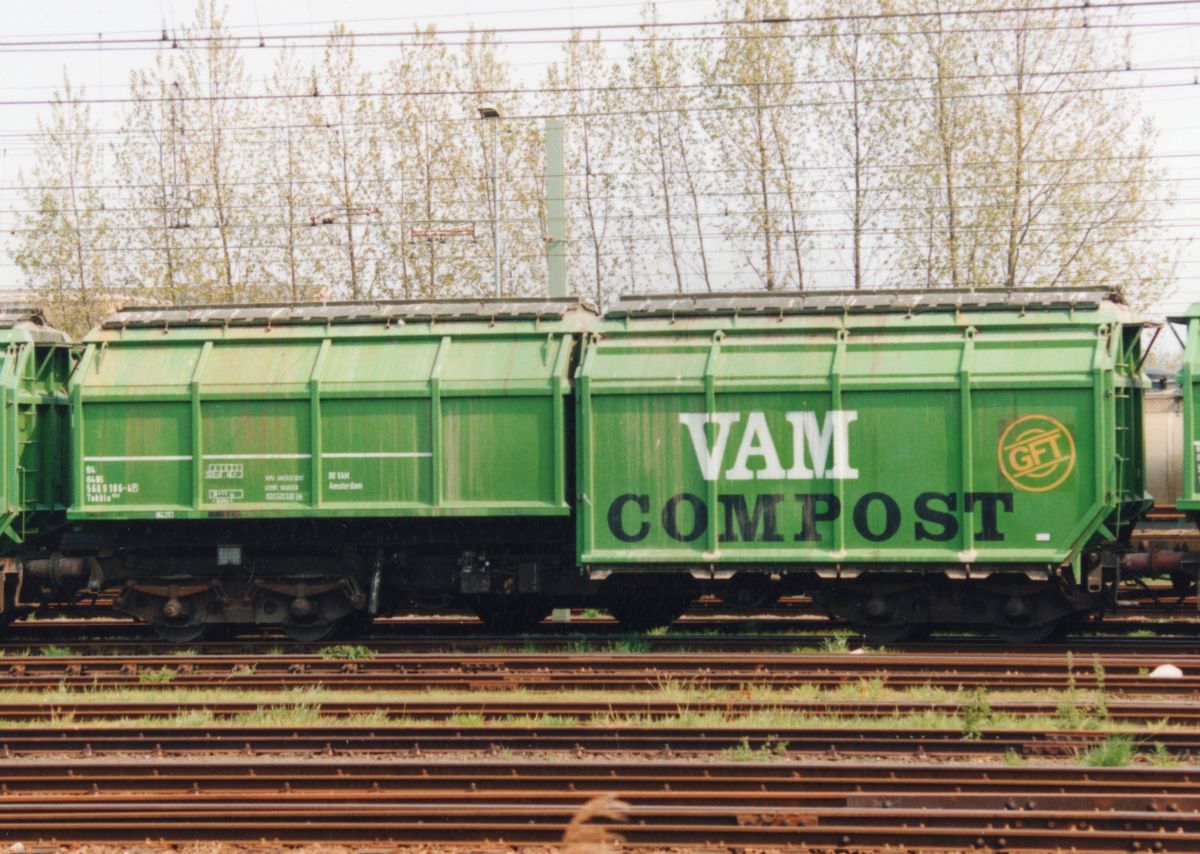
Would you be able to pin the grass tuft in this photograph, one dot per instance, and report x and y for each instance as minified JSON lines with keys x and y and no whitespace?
{"x":771,"y":749}
{"x":1162,"y":757}
{"x":630,"y":643}
{"x":163,"y":676}
{"x":1116,"y":751}
{"x":471,"y":719}
{"x":347,"y":652}
{"x":836,"y":643}
{"x":976,"y":715}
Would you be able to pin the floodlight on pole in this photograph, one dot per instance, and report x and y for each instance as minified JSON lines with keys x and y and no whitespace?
{"x":491,"y":113}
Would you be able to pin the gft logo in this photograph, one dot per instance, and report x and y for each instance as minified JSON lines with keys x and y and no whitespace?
{"x":1036,"y":453}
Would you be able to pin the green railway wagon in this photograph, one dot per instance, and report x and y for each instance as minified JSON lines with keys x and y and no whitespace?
{"x":919,"y":458}
{"x":34,"y":421}
{"x":199,"y":432}
{"x":914,"y":460}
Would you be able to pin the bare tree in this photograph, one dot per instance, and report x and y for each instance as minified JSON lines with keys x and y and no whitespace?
{"x":1074,"y":160}
{"x":153,"y":168}
{"x":860,"y":113}
{"x":63,"y":238}
{"x":760,"y":135}
{"x":346,"y":144}
{"x":285,"y":173}
{"x":939,"y":152}
{"x":949,"y":126}
{"x":656,"y":72}
{"x":425,"y":144}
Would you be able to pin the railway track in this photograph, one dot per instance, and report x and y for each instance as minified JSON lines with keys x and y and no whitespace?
{"x":669,"y":803}
{"x":1159,"y":613}
{"x":418,"y":740}
{"x":1173,"y":713}
{"x":1121,"y":674}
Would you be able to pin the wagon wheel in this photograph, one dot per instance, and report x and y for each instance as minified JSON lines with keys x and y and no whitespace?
{"x":886,"y":633}
{"x":182,"y":634}
{"x":311,"y":632}
{"x":1027,"y":634}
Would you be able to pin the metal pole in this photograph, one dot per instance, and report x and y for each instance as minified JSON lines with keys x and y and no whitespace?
{"x":496,"y":202}
{"x":556,"y":215}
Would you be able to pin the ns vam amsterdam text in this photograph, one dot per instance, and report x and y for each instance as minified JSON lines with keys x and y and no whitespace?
{"x":820,"y":450}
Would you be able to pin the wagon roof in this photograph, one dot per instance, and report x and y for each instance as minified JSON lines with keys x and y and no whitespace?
{"x":325,"y":313}
{"x":24,"y":322}
{"x":860,"y":302}
{"x":12,"y":314}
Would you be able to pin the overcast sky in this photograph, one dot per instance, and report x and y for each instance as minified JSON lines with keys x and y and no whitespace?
{"x":1164,"y":36}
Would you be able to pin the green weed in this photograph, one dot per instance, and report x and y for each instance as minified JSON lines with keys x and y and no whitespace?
{"x":771,"y":748}
{"x":347,"y":652}
{"x":540,"y":721}
{"x":473,"y":719}
{"x":1013,"y":759}
{"x":1162,"y":757}
{"x":976,"y":715}
{"x":1100,"y":704}
{"x":631,"y":643}
{"x":1116,"y":751}
{"x":297,"y":715}
{"x":836,"y":643}
{"x":163,"y":676}
{"x":1067,"y":711}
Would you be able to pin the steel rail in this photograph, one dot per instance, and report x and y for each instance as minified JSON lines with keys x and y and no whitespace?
{"x":1094,"y":830}
{"x":580,"y":741}
{"x":843,"y":804}
{"x":1121,"y":674}
{"x":1174,"y":713}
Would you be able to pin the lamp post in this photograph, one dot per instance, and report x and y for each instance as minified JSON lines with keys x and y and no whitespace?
{"x":491,"y":113}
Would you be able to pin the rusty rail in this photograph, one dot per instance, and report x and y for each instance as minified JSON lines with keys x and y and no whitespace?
{"x":841,"y":804}
{"x":580,"y":741}
{"x":1123,"y":674}
{"x":1174,"y":713}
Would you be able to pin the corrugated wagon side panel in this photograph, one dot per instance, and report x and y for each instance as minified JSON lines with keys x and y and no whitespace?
{"x":133,"y":447}
{"x":816,"y":442}
{"x":34,"y":363}
{"x":315,"y":421}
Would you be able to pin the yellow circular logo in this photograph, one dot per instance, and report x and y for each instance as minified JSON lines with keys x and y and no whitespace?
{"x":1036,"y":453}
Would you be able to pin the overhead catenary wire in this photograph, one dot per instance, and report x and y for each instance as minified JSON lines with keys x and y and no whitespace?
{"x":303,"y":221}
{"x":199,"y":39}
{"x":651,"y":240}
{"x":547,"y":90}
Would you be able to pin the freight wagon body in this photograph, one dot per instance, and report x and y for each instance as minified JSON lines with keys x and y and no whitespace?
{"x":918,"y":458}
{"x":34,"y":422}
{"x":915,"y":460}
{"x":290,"y":465}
